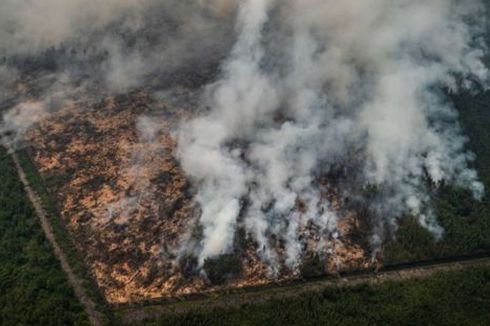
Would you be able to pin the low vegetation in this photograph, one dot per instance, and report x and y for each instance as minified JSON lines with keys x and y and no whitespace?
{"x":222,"y":268}
{"x":312,"y":266}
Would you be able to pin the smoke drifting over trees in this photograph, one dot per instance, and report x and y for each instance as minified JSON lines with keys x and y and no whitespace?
{"x":313,"y":97}
{"x":311,"y":86}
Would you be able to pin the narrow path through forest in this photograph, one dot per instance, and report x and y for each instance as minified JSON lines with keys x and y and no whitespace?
{"x":74,"y":281}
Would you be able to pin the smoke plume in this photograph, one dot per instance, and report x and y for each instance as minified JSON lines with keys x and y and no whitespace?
{"x":356,"y":90}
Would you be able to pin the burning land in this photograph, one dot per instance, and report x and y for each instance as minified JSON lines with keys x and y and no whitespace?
{"x":128,"y":205}
{"x":206,"y":145}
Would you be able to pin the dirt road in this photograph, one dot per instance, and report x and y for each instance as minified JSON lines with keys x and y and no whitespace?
{"x":74,"y":281}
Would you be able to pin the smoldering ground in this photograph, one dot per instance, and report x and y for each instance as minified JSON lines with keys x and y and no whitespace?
{"x":299,"y":98}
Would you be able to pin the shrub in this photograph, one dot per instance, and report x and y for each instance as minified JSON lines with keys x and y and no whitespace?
{"x":222,"y":268}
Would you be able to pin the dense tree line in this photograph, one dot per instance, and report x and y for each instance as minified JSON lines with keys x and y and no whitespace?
{"x":460,"y":298}
{"x":33,"y":288}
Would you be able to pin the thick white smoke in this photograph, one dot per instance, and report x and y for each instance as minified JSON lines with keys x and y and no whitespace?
{"x":318,"y":101}
{"x":222,"y":175}
{"x":312,"y":87}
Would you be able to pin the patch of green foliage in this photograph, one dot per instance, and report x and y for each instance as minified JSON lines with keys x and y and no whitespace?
{"x":222,"y":268}
{"x":33,"y":287}
{"x":457,"y":298}
{"x":312,"y":266}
